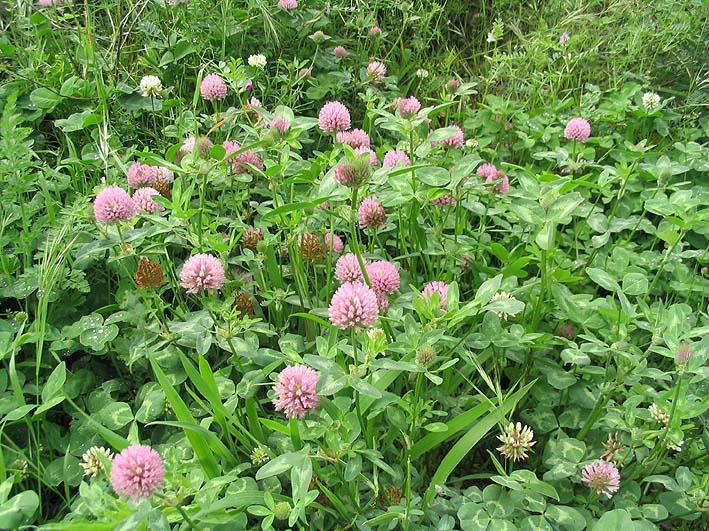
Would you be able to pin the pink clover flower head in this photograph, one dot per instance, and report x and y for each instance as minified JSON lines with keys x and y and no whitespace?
{"x":455,"y":141}
{"x":137,"y":472}
{"x":213,"y":88}
{"x":143,"y":200}
{"x":280,"y":124}
{"x":437,"y":287}
{"x":296,"y":390}
{"x":203,"y":145}
{"x":287,"y":5}
{"x":372,"y":155}
{"x":383,"y":276}
{"x":354,"y":304}
{"x":684,"y":354}
{"x":113,"y":204}
{"x":503,"y":186}
{"x":444,"y":200}
{"x":347,"y":268}
{"x":371,"y":214}
{"x":382,"y":302}
{"x":239,"y":161}
{"x":333,"y":243}
{"x":346,"y":174}
{"x":202,"y":272}
{"x":453,"y":85}
{"x":602,"y":477}
{"x":340,"y":52}
{"x":376,"y":71}
{"x":164,"y":175}
{"x":396,"y":157}
{"x":354,"y":138}
{"x":577,"y":129}
{"x":564,"y":37}
{"x":140,"y":175}
{"x":375,"y":31}
{"x":487,"y":170}
{"x":334,"y":117}
{"x":248,"y":85}
{"x":409,"y":106}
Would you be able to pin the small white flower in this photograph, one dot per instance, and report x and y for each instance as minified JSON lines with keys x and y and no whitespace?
{"x":422,"y":73}
{"x":91,"y":462}
{"x":651,"y":101}
{"x":471,"y":143}
{"x":257,"y":61}
{"x":658,"y":414}
{"x":516,"y":440}
{"x":502,"y":296}
{"x":150,"y":86}
{"x":490,"y":37}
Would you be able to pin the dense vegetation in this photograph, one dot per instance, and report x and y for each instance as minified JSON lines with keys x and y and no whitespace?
{"x":353,"y":265}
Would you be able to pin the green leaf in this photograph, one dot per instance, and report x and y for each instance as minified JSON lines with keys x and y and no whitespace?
{"x":562,"y":209}
{"x":44,"y":98}
{"x":635,"y":284}
{"x":603,"y":279}
{"x":197,"y":441}
{"x":18,"y":509}
{"x":566,"y":518}
{"x":54,"y":383}
{"x":280,"y":464}
{"x":96,"y":338}
{"x":115,"y":415}
{"x":488,"y":289}
{"x":615,"y":519}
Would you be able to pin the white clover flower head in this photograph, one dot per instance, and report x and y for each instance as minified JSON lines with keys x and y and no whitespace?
{"x":517,"y":440}
{"x":651,"y":101}
{"x":502,"y":296}
{"x":422,"y":73}
{"x":150,"y":86}
{"x":257,"y":61}
{"x":658,"y":414}
{"x":91,"y":460}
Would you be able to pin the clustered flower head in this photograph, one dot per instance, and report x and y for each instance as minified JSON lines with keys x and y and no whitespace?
{"x":376,"y":71}
{"x":257,"y":61}
{"x":333,"y":243}
{"x":259,"y":455}
{"x":516,"y":441}
{"x":383,"y":277}
{"x":564,"y":37}
{"x":240,"y":162}
{"x":453,"y":85}
{"x":251,"y":238}
{"x":407,"y":107}
{"x":372,"y":156}
{"x":144,"y":202}
{"x":457,"y":140}
{"x":202,"y":145}
{"x":150,"y":86}
{"x":137,"y":472}
{"x":437,"y":287}
{"x":310,"y":247}
{"x":280,"y":124}
{"x":287,"y":5}
{"x":577,"y":129}
{"x":486,"y":170}
{"x":213,"y":88}
{"x":374,"y":31}
{"x":296,"y":391}
{"x":92,"y":462}
{"x":444,"y":200}
{"x":148,"y":274}
{"x":140,"y":175}
{"x":651,"y":101}
{"x":371,"y":214}
{"x":602,"y":477}
{"x":684,"y":354}
{"x":334,"y":117}
{"x":340,"y":52}
{"x":352,"y":174}
{"x":611,"y":447}
{"x":355,"y":305}
{"x":396,"y":157}
{"x":658,"y":414}
{"x":202,"y":272}
{"x":422,"y":73}
{"x":113,"y":204}
{"x":354,"y":138}
{"x":347,"y":268}
{"x":504,"y":182}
